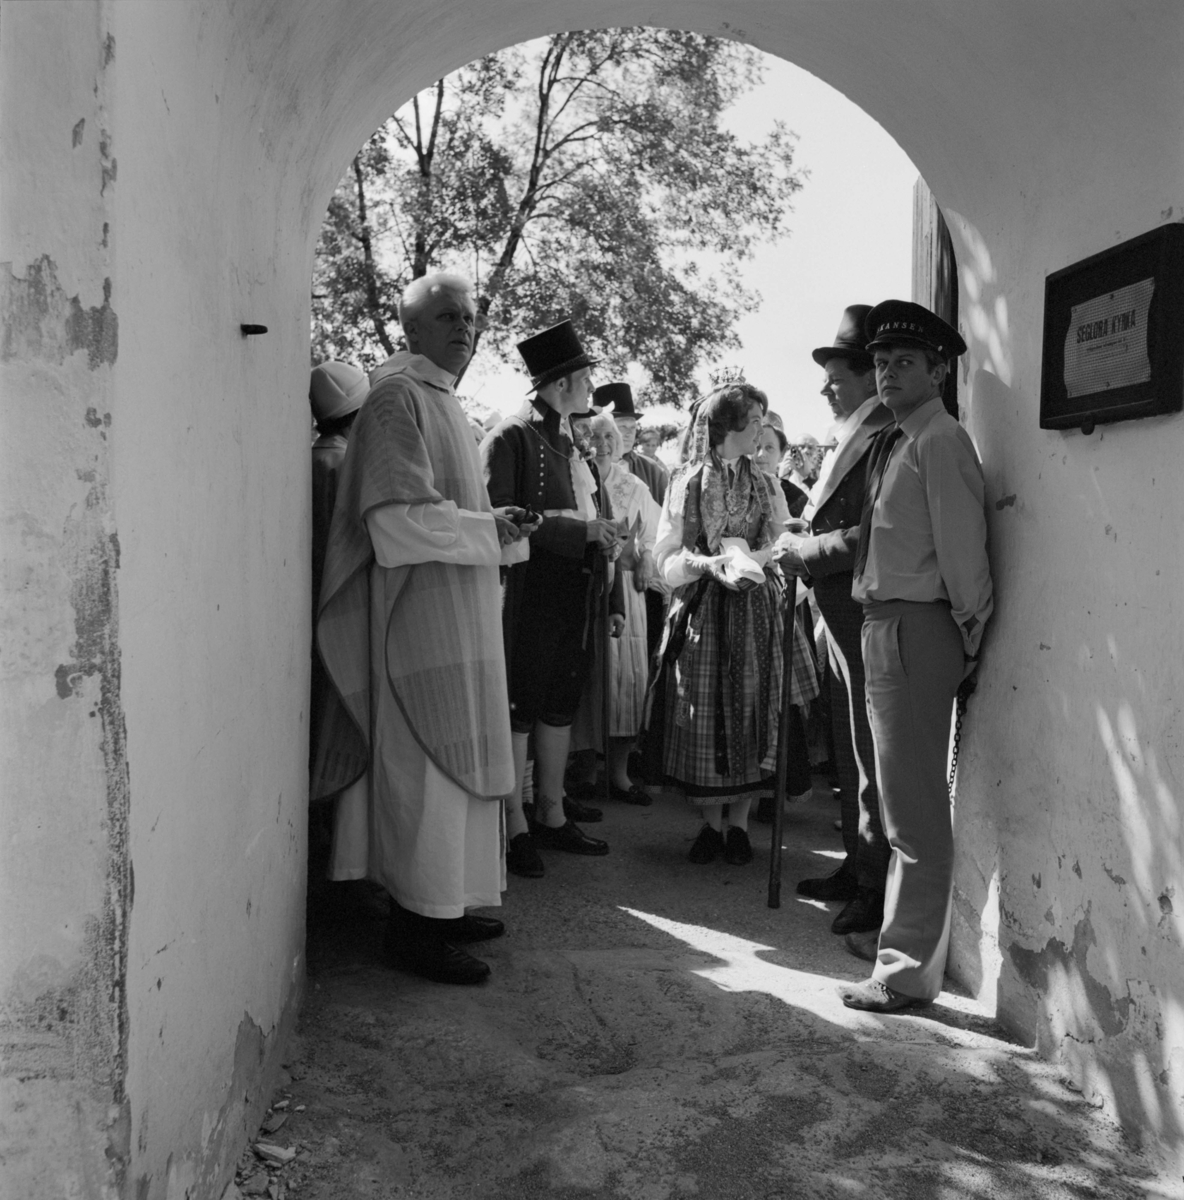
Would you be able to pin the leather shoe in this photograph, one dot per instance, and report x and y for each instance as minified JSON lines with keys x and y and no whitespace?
{"x":472,"y":928}
{"x":631,"y":795}
{"x":861,"y":915}
{"x":569,"y":837}
{"x":708,"y":844}
{"x":522,"y":858}
{"x":737,"y":847}
{"x":864,"y":945}
{"x":573,"y":810}
{"x":440,"y":962}
{"x":839,"y":885}
{"x":874,"y":996}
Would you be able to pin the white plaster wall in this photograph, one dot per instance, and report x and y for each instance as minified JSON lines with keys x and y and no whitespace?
{"x":1047,"y":131}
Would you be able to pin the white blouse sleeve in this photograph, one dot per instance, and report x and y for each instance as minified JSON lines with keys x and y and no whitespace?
{"x":670,"y":557}
{"x":780,"y":516}
{"x":405,"y":534}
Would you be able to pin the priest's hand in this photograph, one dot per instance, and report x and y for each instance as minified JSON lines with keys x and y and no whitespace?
{"x":508,"y":530}
{"x":616,"y":625}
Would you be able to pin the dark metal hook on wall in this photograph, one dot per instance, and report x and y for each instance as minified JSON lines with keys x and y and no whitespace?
{"x":248,"y":330}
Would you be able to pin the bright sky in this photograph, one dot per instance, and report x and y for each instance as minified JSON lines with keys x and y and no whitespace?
{"x":851,"y":243}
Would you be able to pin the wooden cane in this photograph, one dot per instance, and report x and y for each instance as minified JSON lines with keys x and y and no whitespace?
{"x":791,"y":609}
{"x":606,"y":665}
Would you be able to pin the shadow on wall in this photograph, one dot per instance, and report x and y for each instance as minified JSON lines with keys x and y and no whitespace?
{"x":1069,"y":898}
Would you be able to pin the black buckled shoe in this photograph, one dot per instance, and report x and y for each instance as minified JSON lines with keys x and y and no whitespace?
{"x":737,"y":847}
{"x":573,"y":810}
{"x":861,"y":915}
{"x":631,"y":795}
{"x":522,"y":858}
{"x":840,"y":885}
{"x":472,"y":928}
{"x":708,"y":845}
{"x":570,"y":838}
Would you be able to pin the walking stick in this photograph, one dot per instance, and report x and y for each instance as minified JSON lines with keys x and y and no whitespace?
{"x":791,"y":609}
{"x":606,"y":665}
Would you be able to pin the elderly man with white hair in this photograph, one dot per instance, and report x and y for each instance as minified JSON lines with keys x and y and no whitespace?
{"x":409,"y":629}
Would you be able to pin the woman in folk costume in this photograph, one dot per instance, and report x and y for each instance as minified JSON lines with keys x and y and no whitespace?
{"x":719,"y":690}
{"x":637,"y":514}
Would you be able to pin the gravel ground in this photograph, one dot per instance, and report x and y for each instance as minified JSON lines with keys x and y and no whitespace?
{"x":654,"y":1031}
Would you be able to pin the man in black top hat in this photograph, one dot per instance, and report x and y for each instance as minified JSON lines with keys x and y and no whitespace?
{"x":825,"y":560}
{"x":922,"y":576}
{"x":619,"y":397}
{"x":550,"y":599}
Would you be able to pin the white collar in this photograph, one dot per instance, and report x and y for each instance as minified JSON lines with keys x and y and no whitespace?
{"x":403,"y":362}
{"x":846,"y":427}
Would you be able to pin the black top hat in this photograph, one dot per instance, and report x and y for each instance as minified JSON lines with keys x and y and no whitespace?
{"x":552,"y":354}
{"x":900,"y":322}
{"x":850,"y":341}
{"x":617,"y":396}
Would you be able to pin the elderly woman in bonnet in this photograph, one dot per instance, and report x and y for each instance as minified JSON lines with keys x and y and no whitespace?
{"x":717,"y":696}
{"x":637,"y":513}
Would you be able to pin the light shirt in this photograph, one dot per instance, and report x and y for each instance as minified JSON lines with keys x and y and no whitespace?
{"x":844,"y":431}
{"x":928,"y":536}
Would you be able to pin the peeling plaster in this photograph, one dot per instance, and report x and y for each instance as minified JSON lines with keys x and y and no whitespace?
{"x":42,"y":324}
{"x":1036,"y":966}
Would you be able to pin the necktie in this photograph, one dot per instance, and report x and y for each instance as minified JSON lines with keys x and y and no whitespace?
{"x":876,"y":465}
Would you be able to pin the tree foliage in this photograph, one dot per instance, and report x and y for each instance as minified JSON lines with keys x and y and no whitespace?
{"x":587,"y":175}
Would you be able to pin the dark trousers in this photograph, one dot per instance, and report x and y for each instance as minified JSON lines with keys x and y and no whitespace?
{"x":864,"y":839}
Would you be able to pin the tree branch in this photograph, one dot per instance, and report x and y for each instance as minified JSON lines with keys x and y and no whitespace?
{"x":373,"y":305}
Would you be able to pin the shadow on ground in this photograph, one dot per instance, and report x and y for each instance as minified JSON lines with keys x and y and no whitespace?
{"x":653,"y":1030}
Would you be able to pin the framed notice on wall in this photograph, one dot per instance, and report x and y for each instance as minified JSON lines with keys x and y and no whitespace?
{"x":1114,"y":334}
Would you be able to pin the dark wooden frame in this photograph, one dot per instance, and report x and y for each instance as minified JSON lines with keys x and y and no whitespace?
{"x":1158,"y":255}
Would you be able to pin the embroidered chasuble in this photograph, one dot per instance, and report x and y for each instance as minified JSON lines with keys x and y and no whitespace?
{"x":441,"y":655}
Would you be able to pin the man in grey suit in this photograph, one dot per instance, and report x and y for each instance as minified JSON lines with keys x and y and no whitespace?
{"x":825,"y":560}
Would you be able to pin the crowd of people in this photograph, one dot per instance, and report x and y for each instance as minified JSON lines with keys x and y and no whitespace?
{"x":494,"y":620}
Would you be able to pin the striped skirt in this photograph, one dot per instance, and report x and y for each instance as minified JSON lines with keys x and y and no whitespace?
{"x":722,"y":680}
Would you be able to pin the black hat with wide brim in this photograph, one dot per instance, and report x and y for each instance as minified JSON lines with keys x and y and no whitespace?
{"x":851,"y":340}
{"x":617,"y":396}
{"x":552,"y":354}
{"x":901,"y":322}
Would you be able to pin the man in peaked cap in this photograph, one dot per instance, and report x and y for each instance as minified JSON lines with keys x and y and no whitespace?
{"x":530,"y":461}
{"x":922,"y":576}
{"x":825,"y":560}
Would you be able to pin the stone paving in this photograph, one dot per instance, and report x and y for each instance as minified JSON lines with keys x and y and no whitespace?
{"x":654,"y":1031}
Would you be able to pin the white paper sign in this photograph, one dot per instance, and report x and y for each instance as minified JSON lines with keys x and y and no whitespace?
{"x":1106,"y":346}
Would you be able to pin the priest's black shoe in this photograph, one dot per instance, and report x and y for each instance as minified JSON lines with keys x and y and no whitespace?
{"x":861,"y":915}
{"x":522,"y":858}
{"x":573,"y":810}
{"x":473,"y":928}
{"x":840,"y":885}
{"x":417,"y":944}
{"x":440,"y":961}
{"x":570,"y":838}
